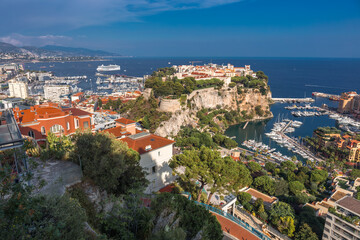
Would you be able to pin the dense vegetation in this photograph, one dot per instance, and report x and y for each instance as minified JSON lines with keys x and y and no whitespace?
{"x":260,"y":82}
{"x":109,"y":163}
{"x":25,"y":216}
{"x":294,"y":185}
{"x":192,"y":138}
{"x":176,"y":87}
{"x":140,"y":110}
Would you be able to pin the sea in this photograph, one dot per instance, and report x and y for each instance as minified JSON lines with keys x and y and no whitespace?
{"x":288,"y":77}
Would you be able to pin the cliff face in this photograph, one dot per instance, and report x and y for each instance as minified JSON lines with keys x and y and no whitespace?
{"x":226,"y":98}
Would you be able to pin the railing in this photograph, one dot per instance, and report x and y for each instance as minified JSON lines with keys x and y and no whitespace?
{"x":236,"y":220}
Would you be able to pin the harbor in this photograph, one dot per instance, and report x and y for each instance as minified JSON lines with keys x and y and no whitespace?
{"x":282,"y":135}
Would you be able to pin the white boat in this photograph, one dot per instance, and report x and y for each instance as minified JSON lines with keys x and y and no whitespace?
{"x":103,"y":68}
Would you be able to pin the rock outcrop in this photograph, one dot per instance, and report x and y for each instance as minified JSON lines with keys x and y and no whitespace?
{"x":225,"y":98}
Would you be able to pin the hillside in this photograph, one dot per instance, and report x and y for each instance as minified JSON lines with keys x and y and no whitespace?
{"x":52,"y":50}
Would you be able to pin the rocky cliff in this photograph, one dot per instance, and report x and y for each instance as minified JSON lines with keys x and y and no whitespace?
{"x":184,"y":113}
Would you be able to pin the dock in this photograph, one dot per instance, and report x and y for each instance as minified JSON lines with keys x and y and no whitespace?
{"x":293,"y":100}
{"x":246,"y":124}
{"x":333,"y":97}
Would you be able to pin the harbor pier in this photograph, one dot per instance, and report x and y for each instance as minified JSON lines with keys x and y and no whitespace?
{"x":293,"y":100}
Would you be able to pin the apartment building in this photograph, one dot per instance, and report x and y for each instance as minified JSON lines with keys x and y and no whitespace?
{"x":56,"y":92}
{"x":18,"y":89}
{"x":342,"y":223}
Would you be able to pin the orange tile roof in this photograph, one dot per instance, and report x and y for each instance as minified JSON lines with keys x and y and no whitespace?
{"x":124,"y":121}
{"x":78,"y":94}
{"x":168,"y":188}
{"x":234,"y":229}
{"x":117,"y":131}
{"x":139,"y":143}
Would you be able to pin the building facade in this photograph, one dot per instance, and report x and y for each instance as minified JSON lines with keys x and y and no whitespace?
{"x":18,"y":89}
{"x":39,"y":120}
{"x":56,"y":92}
{"x":343,"y":222}
{"x":155,"y":154}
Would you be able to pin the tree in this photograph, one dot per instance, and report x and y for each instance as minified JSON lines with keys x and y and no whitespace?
{"x":286,"y":225}
{"x":301,"y":198}
{"x":281,"y":209}
{"x":264,"y":184}
{"x":197,"y":166}
{"x":288,"y":165}
{"x":269,"y":166}
{"x":308,"y":216}
{"x":57,"y":147}
{"x":355,"y":173}
{"x":281,"y":188}
{"x":244,"y":197}
{"x":108,"y":162}
{"x":305,"y":233}
{"x":24,"y":216}
{"x":296,"y":187}
{"x":209,"y":168}
{"x":192,"y":217}
{"x":318,"y":176}
{"x":254,"y":167}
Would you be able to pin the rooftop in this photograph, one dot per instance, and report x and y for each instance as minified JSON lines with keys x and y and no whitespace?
{"x":350,"y":203}
{"x":124,"y":121}
{"x":339,"y":194}
{"x":264,"y":197}
{"x":10,"y":136}
{"x":146,"y":142}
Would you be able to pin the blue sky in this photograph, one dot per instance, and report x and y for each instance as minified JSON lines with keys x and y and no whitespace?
{"x":240,"y":28}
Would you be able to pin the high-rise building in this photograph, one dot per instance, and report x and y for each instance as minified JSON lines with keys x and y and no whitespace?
{"x":18,"y":89}
{"x":56,"y":92}
{"x":343,"y":222}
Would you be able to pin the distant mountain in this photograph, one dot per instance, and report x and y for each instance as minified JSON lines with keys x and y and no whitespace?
{"x":51,"y":50}
{"x":77,"y":51}
{"x":8,"y":48}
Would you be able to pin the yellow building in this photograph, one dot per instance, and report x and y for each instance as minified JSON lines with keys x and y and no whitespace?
{"x":346,"y":102}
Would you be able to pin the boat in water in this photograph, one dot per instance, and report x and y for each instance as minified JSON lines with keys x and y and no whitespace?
{"x":103,"y":68}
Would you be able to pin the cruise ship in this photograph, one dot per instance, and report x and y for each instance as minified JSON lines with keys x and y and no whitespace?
{"x":104,"y":68}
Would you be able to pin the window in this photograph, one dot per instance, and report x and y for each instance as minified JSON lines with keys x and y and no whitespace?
{"x":31,"y":134}
{"x":56,"y":128}
{"x":153,"y":169}
{"x":43,"y":131}
{"x":159,"y":153}
{"x":68,"y":126}
{"x":86,"y":124}
{"x":76,"y":123}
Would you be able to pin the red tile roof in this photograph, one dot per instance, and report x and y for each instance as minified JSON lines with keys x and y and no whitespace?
{"x":139,"y":142}
{"x":167,"y":188}
{"x":234,"y":229}
{"x":78,"y":94}
{"x":117,"y":131}
{"x":77,"y":112}
{"x":125,"y":121}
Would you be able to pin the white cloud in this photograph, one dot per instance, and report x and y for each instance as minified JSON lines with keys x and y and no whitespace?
{"x":78,"y":13}
{"x":22,"y":40}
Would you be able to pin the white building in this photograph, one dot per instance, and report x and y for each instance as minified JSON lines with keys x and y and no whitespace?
{"x":18,"y":89}
{"x":56,"y":92}
{"x":344,"y":222}
{"x":155,"y":154}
